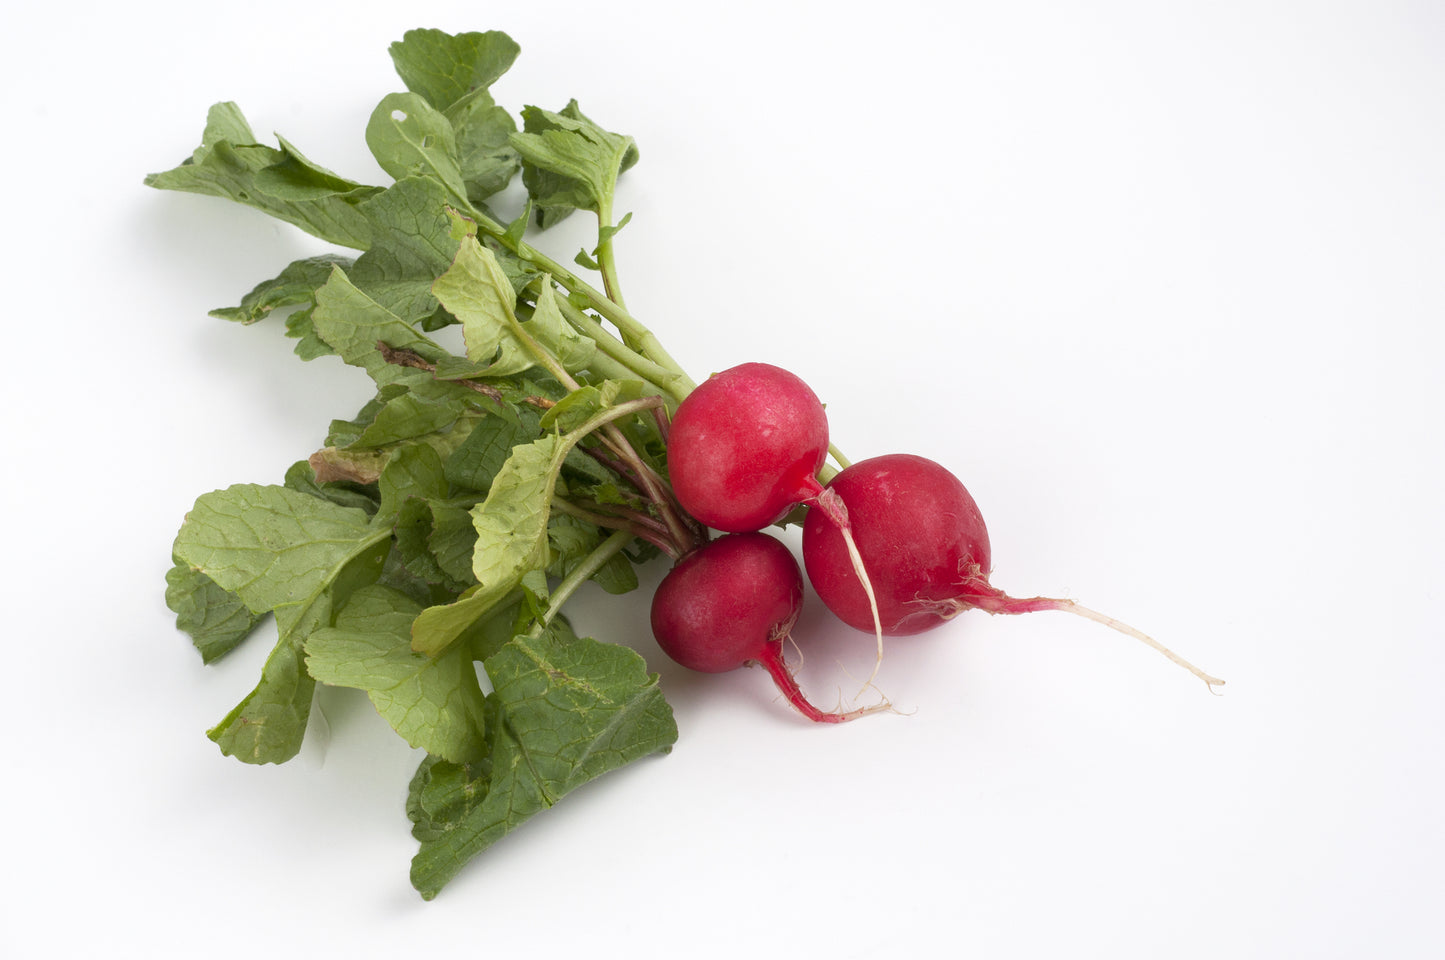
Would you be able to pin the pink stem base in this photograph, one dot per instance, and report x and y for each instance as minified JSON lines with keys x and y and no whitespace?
{"x":772,"y":661}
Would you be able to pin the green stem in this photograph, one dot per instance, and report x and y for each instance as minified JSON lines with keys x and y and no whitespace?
{"x":606,"y":259}
{"x":666,"y":380}
{"x":648,"y":345}
{"x":580,"y":574}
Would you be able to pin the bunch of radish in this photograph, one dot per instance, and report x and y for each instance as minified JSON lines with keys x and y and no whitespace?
{"x":893,"y":545}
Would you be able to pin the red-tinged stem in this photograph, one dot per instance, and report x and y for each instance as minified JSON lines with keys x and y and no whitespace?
{"x":986,"y":597}
{"x":664,"y":423}
{"x":639,"y":525}
{"x":772,"y":661}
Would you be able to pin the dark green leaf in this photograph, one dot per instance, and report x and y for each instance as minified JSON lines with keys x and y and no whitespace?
{"x":215,"y":618}
{"x":297,"y":284}
{"x":230,"y":164}
{"x":444,"y":68}
{"x":484,"y":145}
{"x":476,"y":462}
{"x":569,"y":162}
{"x":414,"y":470}
{"x":413,"y":247}
{"x":564,"y":711}
{"x":617,"y":575}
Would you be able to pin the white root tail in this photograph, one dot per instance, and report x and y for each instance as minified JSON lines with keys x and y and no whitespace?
{"x":1142,"y":637}
{"x":833,"y":508}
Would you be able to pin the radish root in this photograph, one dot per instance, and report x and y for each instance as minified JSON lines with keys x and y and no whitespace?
{"x":833,"y":508}
{"x":990,"y":599}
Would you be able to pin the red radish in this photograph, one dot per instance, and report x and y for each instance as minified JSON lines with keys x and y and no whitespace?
{"x":746,"y":446}
{"x":732,"y":602}
{"x":927,"y":553}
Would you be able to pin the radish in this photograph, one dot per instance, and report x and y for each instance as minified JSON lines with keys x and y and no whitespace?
{"x":745,"y":447}
{"x":926,"y":549}
{"x":732,"y":602}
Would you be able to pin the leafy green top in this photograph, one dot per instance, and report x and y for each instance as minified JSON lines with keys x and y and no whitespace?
{"x":443,"y":528}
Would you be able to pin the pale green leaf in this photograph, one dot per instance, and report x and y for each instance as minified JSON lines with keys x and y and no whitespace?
{"x":434,"y":703}
{"x":411,"y":138}
{"x":556,"y":335}
{"x":478,"y":292}
{"x":282,"y":551}
{"x":511,"y":526}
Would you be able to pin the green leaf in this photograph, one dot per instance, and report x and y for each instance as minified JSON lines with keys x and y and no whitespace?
{"x":574,"y":409}
{"x":452,"y":73}
{"x":443,"y":68}
{"x":411,"y":138}
{"x":617,"y":575}
{"x":413,"y":247}
{"x":511,"y":526}
{"x":352,"y":323}
{"x":478,"y":293}
{"x":453,"y":540}
{"x":297,"y":284}
{"x":282,"y":551}
{"x":230,"y":164}
{"x":475,"y":464}
{"x":299,"y":327}
{"x":484,"y":145}
{"x":556,"y":335}
{"x":296,"y":178}
{"x":569,"y":540}
{"x":216,"y":619}
{"x":424,"y":408}
{"x":414,"y":470}
{"x":569,"y":162}
{"x":301,"y":477}
{"x":414,"y":531}
{"x":563,"y":711}
{"x":434,"y":703}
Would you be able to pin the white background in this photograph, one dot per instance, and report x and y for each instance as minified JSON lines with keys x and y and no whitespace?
{"x":1161,"y":282}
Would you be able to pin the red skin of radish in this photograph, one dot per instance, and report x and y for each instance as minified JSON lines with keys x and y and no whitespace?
{"x":921,"y":536}
{"x":730,"y":603}
{"x":926,"y":549}
{"x":746,"y":446}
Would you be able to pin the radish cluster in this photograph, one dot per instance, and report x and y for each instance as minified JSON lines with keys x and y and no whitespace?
{"x":894,"y":545}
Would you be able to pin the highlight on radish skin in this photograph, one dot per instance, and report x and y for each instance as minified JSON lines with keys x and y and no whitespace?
{"x":927,"y":552}
{"x":745,"y":447}
{"x":733,"y":602}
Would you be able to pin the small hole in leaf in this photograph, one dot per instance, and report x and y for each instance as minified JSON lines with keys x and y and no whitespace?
{"x":399,"y":116}
{"x":426,"y":141}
